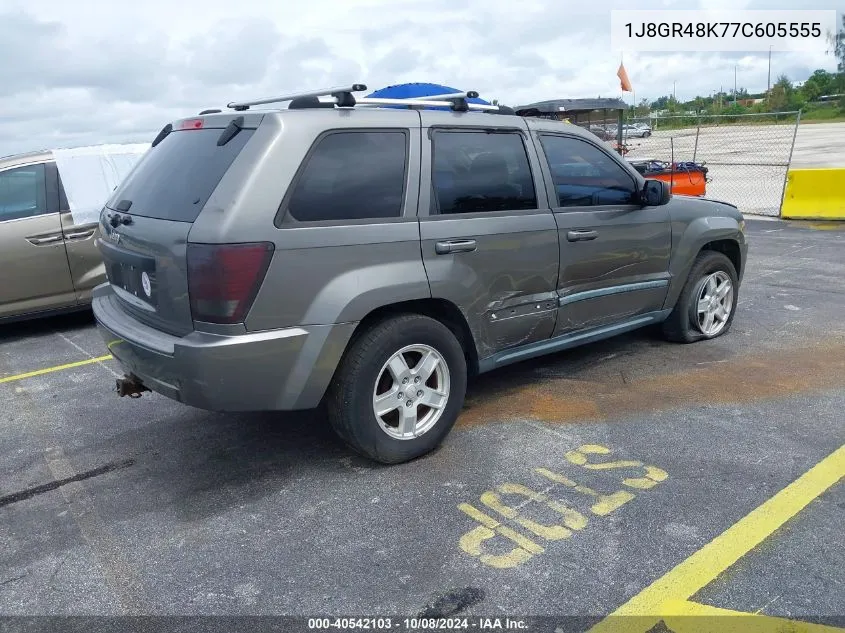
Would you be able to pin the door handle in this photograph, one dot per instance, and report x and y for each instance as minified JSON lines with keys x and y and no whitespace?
{"x":80,"y":235}
{"x":581,"y":236}
{"x":40,"y":241}
{"x":455,"y":246}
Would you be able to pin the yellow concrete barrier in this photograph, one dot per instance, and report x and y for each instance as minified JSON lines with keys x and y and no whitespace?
{"x":814,"y":194}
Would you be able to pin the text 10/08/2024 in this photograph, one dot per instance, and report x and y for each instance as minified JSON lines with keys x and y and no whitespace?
{"x":419,"y":624}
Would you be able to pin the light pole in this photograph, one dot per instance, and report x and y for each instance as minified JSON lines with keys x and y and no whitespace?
{"x":673,"y":91}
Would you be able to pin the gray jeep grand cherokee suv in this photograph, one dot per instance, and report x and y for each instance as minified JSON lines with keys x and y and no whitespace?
{"x":371,"y":258}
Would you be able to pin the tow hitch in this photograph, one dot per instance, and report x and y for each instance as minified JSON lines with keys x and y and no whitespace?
{"x":130,"y":386}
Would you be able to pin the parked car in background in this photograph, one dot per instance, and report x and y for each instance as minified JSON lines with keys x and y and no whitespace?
{"x":48,"y":259}
{"x":636,"y":130}
{"x":604,"y":132}
{"x":372,"y":259}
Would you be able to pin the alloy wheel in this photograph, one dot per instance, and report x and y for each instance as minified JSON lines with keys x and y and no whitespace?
{"x":411,"y":392}
{"x":714,"y":303}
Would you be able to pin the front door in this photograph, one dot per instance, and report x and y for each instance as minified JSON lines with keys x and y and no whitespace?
{"x":34,"y":273}
{"x":614,"y":253}
{"x":489,"y":239}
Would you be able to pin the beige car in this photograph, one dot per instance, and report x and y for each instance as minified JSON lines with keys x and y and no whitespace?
{"x":48,"y":261}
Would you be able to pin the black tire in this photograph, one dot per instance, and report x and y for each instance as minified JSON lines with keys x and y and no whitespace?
{"x":682,"y":324}
{"x":646,"y":134}
{"x":350,"y":396}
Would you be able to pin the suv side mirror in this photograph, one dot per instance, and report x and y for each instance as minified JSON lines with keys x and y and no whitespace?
{"x":655,"y":193}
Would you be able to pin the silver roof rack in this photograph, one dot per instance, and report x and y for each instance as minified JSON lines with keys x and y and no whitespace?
{"x":422,"y":102}
{"x":338,"y":93}
{"x":469,"y":94}
{"x":342,"y":97}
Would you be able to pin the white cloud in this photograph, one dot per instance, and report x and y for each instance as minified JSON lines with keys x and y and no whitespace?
{"x":91,"y":71}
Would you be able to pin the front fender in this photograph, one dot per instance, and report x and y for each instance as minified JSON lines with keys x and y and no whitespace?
{"x":688,"y":238}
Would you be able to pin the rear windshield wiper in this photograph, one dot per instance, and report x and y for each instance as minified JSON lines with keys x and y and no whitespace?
{"x":167,"y":129}
{"x":235,"y":126}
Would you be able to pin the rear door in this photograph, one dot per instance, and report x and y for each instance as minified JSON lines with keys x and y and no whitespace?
{"x":614,"y":253}
{"x":489,"y":239}
{"x":34,"y":274}
{"x":145,"y":224}
{"x":84,"y":260}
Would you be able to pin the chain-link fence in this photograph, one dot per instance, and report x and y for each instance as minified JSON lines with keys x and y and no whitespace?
{"x":746,"y":156}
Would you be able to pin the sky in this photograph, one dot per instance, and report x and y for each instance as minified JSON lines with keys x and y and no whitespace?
{"x":80,"y":72}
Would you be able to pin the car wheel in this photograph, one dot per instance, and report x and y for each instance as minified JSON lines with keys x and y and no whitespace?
{"x":707,"y":303}
{"x":646,"y":134}
{"x":399,"y":389}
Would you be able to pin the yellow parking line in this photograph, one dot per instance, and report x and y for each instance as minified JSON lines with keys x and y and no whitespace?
{"x":49,"y":370}
{"x":683,"y":616}
{"x":700,"y":569}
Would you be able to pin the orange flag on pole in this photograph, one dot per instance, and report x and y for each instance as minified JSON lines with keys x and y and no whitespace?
{"x":623,"y":79}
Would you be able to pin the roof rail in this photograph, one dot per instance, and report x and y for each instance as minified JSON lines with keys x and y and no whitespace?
{"x":457,"y":101}
{"x":469,"y":94}
{"x":457,"y":104}
{"x":343,"y":96}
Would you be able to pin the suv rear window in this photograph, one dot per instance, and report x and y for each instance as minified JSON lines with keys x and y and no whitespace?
{"x":176,"y":177}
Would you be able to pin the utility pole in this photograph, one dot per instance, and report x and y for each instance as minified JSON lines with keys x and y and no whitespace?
{"x":673,"y":91}
{"x":734,"y":84}
{"x":769,"y":81}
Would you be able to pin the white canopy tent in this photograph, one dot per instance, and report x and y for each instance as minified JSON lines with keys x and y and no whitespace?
{"x":90,"y":174}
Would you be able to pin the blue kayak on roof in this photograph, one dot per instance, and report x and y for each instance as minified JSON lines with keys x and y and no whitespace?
{"x":416,"y":90}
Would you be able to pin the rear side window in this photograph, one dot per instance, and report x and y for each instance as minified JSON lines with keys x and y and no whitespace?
{"x":352,"y":175}
{"x":585,"y":176}
{"x":481,"y":171}
{"x":175,"y":178}
{"x":23,"y":192}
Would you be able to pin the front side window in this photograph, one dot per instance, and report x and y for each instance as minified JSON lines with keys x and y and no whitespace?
{"x":481,"y":171}
{"x":585,"y":176}
{"x":23,"y":192}
{"x":352,"y":176}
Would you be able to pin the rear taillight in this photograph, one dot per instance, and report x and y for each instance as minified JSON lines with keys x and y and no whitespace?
{"x":223,"y":279}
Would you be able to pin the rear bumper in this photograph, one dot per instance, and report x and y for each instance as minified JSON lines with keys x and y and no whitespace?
{"x":273,"y":370}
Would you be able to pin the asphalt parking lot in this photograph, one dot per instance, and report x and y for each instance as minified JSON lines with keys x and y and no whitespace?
{"x":582,"y":484}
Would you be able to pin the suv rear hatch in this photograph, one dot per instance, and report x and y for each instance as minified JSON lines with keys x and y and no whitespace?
{"x":145,"y":226}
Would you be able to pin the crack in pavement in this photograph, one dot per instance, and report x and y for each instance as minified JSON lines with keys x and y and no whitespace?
{"x":28,"y":493}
